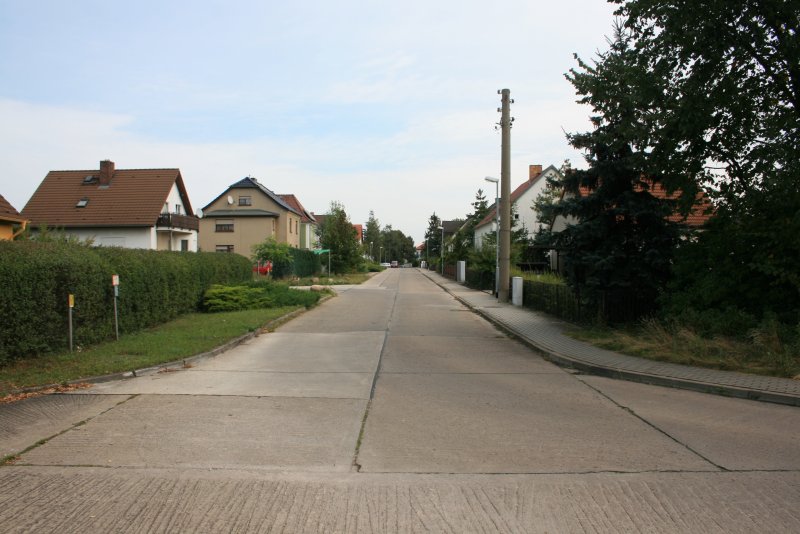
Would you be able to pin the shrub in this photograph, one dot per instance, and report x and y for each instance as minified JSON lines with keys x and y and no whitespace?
{"x":262,"y":294}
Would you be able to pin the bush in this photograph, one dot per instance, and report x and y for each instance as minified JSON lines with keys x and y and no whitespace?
{"x":154,"y":287}
{"x":262,"y":294}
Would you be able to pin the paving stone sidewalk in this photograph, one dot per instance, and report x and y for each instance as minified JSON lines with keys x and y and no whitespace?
{"x":546,"y":334}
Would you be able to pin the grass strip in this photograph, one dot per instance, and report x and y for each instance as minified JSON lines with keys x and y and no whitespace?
{"x":183,"y":337}
{"x":653,"y":341}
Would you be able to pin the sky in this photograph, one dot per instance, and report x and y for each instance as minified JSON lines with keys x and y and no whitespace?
{"x":378,"y":105}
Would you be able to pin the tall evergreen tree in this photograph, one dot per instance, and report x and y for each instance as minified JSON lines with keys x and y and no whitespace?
{"x":622,"y":239}
{"x":339,"y":236}
{"x":372,"y":236}
{"x":433,"y":239}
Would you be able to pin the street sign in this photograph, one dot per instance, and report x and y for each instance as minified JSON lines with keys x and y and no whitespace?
{"x":72,"y":301}
{"x":114,"y":280}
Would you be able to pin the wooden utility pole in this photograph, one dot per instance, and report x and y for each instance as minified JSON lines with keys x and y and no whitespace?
{"x":505,"y":197}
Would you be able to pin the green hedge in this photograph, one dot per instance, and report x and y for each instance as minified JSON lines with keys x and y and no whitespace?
{"x":36,"y":279}
{"x":305,"y":262}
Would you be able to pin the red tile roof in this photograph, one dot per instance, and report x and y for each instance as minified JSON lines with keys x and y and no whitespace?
{"x":305,"y":215}
{"x":701,"y":211}
{"x":134,"y":197}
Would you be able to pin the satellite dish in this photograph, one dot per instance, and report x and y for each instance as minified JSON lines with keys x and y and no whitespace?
{"x":230,"y":200}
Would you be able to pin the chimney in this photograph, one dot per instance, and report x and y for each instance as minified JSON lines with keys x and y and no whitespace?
{"x":534,"y":171}
{"x":106,"y":172}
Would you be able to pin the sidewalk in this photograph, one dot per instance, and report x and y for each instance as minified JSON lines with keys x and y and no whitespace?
{"x":545,"y":334}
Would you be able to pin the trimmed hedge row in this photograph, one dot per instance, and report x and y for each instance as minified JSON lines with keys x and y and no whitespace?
{"x":305,"y":262}
{"x":36,"y":279}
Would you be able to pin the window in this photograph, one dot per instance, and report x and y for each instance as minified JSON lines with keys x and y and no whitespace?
{"x":290,"y":225}
{"x":82,"y":203}
{"x":295,"y":227}
{"x":245,"y":201}
{"x":166,"y":208}
{"x":177,"y":209}
{"x":224,"y":248}
{"x":224,"y":225}
{"x":184,"y":245}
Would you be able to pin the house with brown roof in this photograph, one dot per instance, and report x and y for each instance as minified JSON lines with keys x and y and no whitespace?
{"x":698,"y":216}
{"x":308,"y":224}
{"x":11,"y":222}
{"x":131,"y":208}
{"x":521,"y":204}
{"x":245,"y":214}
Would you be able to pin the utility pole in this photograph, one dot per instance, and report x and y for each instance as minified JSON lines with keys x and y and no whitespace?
{"x":504,"y":245}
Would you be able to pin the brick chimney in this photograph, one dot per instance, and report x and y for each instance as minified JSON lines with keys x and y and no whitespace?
{"x":534,"y":171}
{"x":106,"y":172}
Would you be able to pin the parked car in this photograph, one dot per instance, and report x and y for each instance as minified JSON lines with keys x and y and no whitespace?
{"x":394,"y":264}
{"x":386,"y":264}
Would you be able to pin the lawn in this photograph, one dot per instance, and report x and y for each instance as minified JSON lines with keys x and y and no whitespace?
{"x":186,"y":336}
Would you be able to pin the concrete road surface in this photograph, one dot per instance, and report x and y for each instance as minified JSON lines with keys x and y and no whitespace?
{"x":392,"y":408}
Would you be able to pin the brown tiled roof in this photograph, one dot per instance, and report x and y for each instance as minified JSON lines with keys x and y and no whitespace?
{"x":134,"y":197}
{"x":305,"y":215}
{"x":8,"y":213}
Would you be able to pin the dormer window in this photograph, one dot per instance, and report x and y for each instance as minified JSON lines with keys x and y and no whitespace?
{"x":82,"y":203}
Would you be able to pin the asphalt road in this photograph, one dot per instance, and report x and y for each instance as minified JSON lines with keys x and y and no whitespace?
{"x":392,"y":408}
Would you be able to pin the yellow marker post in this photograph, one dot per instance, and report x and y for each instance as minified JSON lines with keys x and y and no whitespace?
{"x":71,"y":303}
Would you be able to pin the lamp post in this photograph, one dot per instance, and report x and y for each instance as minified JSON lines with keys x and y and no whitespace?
{"x":371,"y":257}
{"x":496,"y":183}
{"x":441,"y":247}
{"x":380,"y":256}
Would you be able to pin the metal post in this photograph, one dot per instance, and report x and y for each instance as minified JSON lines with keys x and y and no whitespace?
{"x":441,"y":247}
{"x":505,"y":198}
{"x":496,"y":183}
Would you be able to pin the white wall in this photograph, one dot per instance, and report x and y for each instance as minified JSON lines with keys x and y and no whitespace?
{"x":174,"y":199}
{"x":117,"y":237}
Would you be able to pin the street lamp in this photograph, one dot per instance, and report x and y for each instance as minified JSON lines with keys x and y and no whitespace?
{"x":371,"y":257}
{"x":496,"y":183}
{"x":441,"y":246}
{"x":380,"y":256}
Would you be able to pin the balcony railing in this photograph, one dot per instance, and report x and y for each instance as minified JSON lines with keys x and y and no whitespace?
{"x":173,"y":220}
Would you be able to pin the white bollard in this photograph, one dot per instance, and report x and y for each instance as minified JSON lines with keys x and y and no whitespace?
{"x":516,"y":291}
{"x":461,"y":272}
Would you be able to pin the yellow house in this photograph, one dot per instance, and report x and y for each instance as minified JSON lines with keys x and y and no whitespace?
{"x":9,"y":220}
{"x":246,"y":214}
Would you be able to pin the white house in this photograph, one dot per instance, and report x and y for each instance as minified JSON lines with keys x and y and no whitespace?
{"x":131,"y":208}
{"x":522,"y":204}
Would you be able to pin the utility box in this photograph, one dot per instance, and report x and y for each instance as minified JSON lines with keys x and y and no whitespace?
{"x":516,"y":291}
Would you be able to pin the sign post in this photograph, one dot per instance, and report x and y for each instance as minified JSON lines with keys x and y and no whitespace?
{"x":115,"y":283}
{"x":71,"y":304}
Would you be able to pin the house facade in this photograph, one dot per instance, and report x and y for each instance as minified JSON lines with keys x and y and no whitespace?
{"x":131,"y":208}
{"x":246,"y":214}
{"x":308,"y":225}
{"x":11,"y":222}
{"x":522,"y":199}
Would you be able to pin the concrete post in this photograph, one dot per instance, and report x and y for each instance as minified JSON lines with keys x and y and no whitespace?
{"x":461,"y":272}
{"x":505,"y":197}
